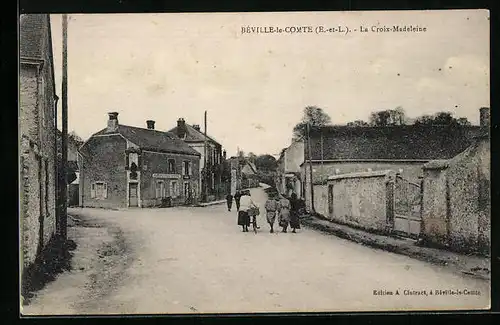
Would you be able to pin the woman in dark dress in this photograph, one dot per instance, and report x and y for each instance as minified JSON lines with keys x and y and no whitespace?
{"x":294,"y":212}
{"x":229,"y":199}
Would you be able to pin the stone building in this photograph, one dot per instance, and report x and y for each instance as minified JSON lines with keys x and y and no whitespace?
{"x":37,"y":135}
{"x":456,"y":202}
{"x":403,"y":149}
{"x":289,"y":179}
{"x":212,"y":175}
{"x":126,"y":166}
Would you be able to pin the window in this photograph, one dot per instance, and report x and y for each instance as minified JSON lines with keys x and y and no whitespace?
{"x":99,"y":190}
{"x":171,"y":166}
{"x":186,"y":168}
{"x":173,"y":189}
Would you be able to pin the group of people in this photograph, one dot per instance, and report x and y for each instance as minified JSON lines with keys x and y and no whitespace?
{"x":286,"y":210}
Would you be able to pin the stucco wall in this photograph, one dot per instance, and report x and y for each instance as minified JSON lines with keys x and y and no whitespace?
{"x":410,"y":171}
{"x":104,"y":160}
{"x":434,"y":206}
{"x":457,"y":203}
{"x":359,"y":199}
{"x":294,"y":156}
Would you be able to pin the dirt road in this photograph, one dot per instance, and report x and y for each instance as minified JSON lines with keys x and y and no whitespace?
{"x":197,"y":260}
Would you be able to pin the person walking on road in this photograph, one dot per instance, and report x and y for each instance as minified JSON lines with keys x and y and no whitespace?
{"x":271,"y":206}
{"x":284,"y":213}
{"x":229,"y":199}
{"x":246,"y":204}
{"x":294,"y":212}
{"x":237,"y":197}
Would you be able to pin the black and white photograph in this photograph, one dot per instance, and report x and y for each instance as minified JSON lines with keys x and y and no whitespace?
{"x":254,"y":162}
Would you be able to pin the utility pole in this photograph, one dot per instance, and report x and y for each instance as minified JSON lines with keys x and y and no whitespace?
{"x":322,"y":165}
{"x":310,"y":165}
{"x":64,"y":179}
{"x":205,"y":176}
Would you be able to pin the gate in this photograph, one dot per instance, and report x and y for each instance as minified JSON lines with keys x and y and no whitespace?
{"x":407,"y":205}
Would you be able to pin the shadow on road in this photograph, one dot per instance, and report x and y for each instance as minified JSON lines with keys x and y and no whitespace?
{"x":54,"y":259}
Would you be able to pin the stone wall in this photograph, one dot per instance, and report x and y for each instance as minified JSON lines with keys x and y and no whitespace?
{"x":456,"y":200}
{"x":410,"y":170}
{"x":357,"y":199}
{"x":37,"y":154}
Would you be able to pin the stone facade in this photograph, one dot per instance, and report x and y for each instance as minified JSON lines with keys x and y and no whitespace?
{"x":123,"y":166}
{"x":155,"y":164}
{"x":103,"y":160}
{"x":216,"y":187}
{"x":37,"y":135}
{"x":456,"y":207}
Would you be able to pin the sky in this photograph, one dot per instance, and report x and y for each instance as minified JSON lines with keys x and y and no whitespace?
{"x":254,"y":87}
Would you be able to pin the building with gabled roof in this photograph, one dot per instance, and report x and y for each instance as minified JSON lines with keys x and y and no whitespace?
{"x":127,"y":166}
{"x":213,"y":175}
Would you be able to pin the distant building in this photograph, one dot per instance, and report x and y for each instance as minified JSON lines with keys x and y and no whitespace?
{"x":195,"y":138}
{"x":37,"y":133}
{"x":249,"y":176}
{"x":72,"y":164}
{"x":126,"y":166}
{"x":403,"y":149}
{"x":289,"y":178}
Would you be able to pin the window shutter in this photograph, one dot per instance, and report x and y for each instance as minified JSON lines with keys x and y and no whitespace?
{"x":105,"y":190}
{"x":126,"y":161}
{"x":92,"y":191}
{"x":183,"y":168}
{"x":190,"y":170}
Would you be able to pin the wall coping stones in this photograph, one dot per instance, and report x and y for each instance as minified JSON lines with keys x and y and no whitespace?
{"x":377,"y":173}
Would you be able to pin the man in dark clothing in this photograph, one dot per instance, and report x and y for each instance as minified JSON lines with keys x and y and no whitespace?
{"x":237,"y":198}
{"x":229,"y":199}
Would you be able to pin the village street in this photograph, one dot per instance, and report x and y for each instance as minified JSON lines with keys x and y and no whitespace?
{"x":197,"y":260}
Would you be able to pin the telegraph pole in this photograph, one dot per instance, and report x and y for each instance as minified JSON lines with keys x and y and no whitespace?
{"x":205,"y":162}
{"x":64,"y":179}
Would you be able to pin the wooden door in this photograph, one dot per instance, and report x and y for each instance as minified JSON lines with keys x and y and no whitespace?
{"x":133,"y":199}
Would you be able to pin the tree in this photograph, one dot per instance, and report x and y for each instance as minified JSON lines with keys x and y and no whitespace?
{"x":266,"y":163}
{"x":315,"y":117}
{"x":441,"y":118}
{"x":395,"y":116}
{"x":357,"y":123}
{"x":75,"y":137}
{"x":252,"y":157}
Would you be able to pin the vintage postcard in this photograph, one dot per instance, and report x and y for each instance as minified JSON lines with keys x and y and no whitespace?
{"x":254,"y":162}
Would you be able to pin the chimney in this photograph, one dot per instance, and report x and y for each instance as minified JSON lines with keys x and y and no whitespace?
{"x":181,"y":128}
{"x":196,"y":127}
{"x":151,"y":124}
{"x":112,"y":122}
{"x":224,"y":154}
{"x":484,"y":116}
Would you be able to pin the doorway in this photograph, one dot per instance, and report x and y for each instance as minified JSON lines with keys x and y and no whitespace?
{"x":133,"y":197}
